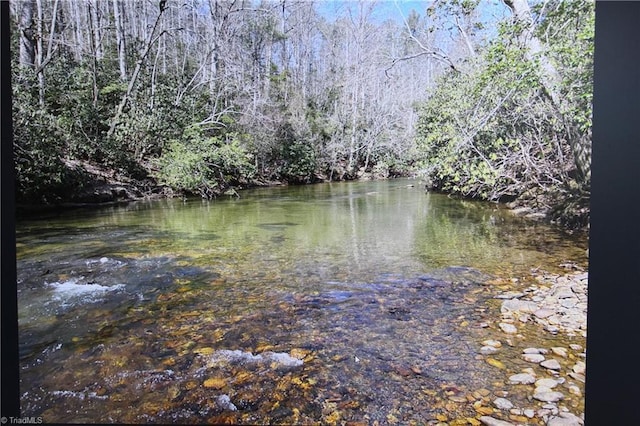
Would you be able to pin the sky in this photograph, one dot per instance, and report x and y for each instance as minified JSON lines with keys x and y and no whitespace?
{"x":396,"y":9}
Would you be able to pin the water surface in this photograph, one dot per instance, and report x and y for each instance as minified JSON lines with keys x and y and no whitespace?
{"x":357,"y":301}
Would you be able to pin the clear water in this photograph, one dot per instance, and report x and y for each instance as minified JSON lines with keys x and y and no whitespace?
{"x":359,"y":301}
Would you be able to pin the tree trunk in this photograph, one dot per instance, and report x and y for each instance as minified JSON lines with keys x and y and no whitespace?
{"x":27,"y":33}
{"x":96,"y":31}
{"x":39,"y":53}
{"x":122,"y":63}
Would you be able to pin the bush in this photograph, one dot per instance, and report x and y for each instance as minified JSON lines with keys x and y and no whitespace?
{"x":206,"y":166}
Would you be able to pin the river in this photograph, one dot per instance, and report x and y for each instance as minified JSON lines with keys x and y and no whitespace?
{"x":355,"y":302}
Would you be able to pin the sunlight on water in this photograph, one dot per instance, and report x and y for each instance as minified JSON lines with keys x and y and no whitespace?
{"x":325,"y":303}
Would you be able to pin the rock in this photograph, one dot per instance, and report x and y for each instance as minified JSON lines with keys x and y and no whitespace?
{"x":568,"y":303}
{"x":503,"y":404}
{"x":522,"y":378}
{"x":559,"y":351}
{"x":215,"y":383}
{"x":544,"y":313}
{"x":563,"y":292}
{"x":545,"y":394}
{"x":495,"y":363}
{"x":551,"y":364}
{"x":529,"y":412}
{"x":552,"y":329}
{"x":575,"y":390}
{"x":514,"y":305}
{"x":536,"y":358}
{"x":533,"y":351}
{"x":488,"y":350}
{"x":565,"y":419}
{"x":547,"y":383}
{"x":578,"y":377}
{"x":510,"y":295}
{"x":579,"y":368}
{"x":490,"y":342}
{"x":225,"y":403}
{"x":491,"y":421}
{"x":508,"y":328}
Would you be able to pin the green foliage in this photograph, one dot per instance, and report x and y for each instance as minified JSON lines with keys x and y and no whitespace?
{"x":202,"y":165}
{"x":38,"y":143}
{"x":492,"y":132}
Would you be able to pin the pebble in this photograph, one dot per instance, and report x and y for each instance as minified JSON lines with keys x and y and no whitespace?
{"x":488,"y":350}
{"x":517,"y":305}
{"x":565,"y":419}
{"x":522,"y":378}
{"x":534,"y":351}
{"x":551,"y":364}
{"x":557,"y":303}
{"x":579,"y":368}
{"x":503,"y":404}
{"x":536,"y":358}
{"x":508,"y":328}
{"x":225,"y":403}
{"x":559,"y":351}
{"x":545,"y":394}
{"x":548,"y":383}
{"x":491,"y":421}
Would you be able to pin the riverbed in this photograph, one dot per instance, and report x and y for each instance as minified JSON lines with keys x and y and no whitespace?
{"x":356,"y":302}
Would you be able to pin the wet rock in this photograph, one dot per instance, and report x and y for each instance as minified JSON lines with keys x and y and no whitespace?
{"x":559,"y":351}
{"x":224,"y":402}
{"x":522,"y":378}
{"x":551,"y":364}
{"x":492,"y":421}
{"x":510,"y":295}
{"x":488,"y":350}
{"x":503,"y":404}
{"x":495,"y":363}
{"x":579,"y":368}
{"x":214,"y":383}
{"x":544,"y":313}
{"x":565,"y":419}
{"x":535,"y":358}
{"x":493,"y":343}
{"x":517,"y":305}
{"x":508,"y":328}
{"x":545,"y":394}
{"x":578,"y":377}
{"x":548,"y":383}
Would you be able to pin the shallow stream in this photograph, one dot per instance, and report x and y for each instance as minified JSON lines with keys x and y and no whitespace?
{"x":355,"y":302}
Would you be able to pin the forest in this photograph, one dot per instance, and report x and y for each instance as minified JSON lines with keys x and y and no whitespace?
{"x":483,"y":99}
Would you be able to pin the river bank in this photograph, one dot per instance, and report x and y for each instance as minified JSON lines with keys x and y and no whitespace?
{"x":553,"y":375}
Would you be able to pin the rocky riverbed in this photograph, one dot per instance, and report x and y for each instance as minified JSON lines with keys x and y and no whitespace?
{"x":551,"y":375}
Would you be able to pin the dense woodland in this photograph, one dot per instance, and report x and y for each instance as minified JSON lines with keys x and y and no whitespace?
{"x":483,"y":99}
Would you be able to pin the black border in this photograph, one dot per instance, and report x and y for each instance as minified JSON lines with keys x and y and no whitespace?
{"x":613,"y":326}
{"x":9,"y":370}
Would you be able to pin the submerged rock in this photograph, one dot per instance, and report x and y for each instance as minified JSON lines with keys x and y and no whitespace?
{"x":225,"y":403}
{"x":522,"y":378}
{"x":491,"y":421}
{"x":565,"y":419}
{"x":238,"y":356}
